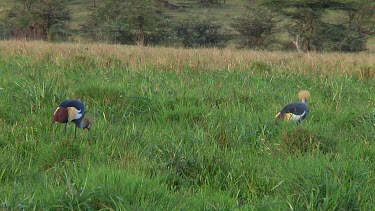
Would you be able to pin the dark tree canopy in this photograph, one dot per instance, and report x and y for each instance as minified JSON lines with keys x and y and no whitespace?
{"x":201,"y":31}
{"x":37,"y":19}
{"x":128,"y":22}
{"x":305,"y":25}
{"x":256,"y":27}
{"x":306,"y":17}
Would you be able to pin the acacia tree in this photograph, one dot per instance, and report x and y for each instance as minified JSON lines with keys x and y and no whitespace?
{"x":201,"y":31}
{"x":256,"y":27}
{"x":363,"y":17}
{"x":212,"y":1}
{"x":307,"y":16}
{"x":53,"y":15}
{"x":38,"y":19}
{"x":138,"y":22}
{"x":27,"y":4}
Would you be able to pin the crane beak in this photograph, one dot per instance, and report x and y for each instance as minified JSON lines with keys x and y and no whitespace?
{"x":88,"y":127}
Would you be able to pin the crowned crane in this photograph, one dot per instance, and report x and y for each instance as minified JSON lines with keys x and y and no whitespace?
{"x":296,"y":111}
{"x":72,"y":111}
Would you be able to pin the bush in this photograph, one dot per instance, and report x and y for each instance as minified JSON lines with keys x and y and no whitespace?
{"x":255,"y":27}
{"x":330,"y":37}
{"x":40,"y":20}
{"x":128,"y":22}
{"x":201,"y":31}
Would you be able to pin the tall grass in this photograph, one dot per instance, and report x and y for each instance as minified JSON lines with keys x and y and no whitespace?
{"x":184,"y":129}
{"x":200,"y":60}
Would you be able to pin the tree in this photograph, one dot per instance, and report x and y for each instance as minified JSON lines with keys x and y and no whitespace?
{"x":306,"y":16}
{"x":27,"y":4}
{"x":201,"y":31}
{"x":53,"y":15}
{"x":38,"y":19}
{"x":138,"y":22}
{"x":255,"y":27}
{"x":212,"y":1}
{"x":362,"y":19}
{"x":333,"y":37}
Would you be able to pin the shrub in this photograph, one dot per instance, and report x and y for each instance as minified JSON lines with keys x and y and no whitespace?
{"x":330,"y":37}
{"x":203,"y":31}
{"x":256,"y":28}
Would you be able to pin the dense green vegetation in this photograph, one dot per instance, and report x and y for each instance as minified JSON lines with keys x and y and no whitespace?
{"x":185,"y":137}
{"x":333,"y":25}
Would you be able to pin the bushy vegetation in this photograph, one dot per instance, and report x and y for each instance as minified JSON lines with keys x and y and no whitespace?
{"x":128,"y":22}
{"x":202,"y":32}
{"x":256,"y":28}
{"x":320,"y":25}
{"x":30,"y":19}
{"x":185,"y":129}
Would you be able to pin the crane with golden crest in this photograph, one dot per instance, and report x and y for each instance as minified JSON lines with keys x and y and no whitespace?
{"x":72,"y":111}
{"x":296,"y":111}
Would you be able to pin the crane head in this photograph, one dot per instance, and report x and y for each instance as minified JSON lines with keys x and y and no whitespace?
{"x":86,"y":122}
{"x":304,"y":94}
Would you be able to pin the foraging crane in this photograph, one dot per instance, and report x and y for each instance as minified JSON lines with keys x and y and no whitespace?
{"x":296,"y":111}
{"x":72,"y":111}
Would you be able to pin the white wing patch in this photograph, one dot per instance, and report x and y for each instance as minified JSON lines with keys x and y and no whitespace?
{"x":295,"y":117}
{"x":73,"y":114}
{"x":56,"y":111}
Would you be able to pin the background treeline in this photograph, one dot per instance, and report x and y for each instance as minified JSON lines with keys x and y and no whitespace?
{"x":303,"y":25}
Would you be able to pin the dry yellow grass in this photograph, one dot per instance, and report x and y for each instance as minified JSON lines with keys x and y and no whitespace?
{"x":161,"y":58}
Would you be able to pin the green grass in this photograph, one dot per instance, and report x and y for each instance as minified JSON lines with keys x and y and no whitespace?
{"x":183,"y":140}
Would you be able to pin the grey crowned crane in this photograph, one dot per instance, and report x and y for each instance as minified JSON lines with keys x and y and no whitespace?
{"x":72,"y":111}
{"x":296,"y":111}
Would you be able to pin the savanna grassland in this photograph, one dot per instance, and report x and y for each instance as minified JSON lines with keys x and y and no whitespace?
{"x":183,"y":129}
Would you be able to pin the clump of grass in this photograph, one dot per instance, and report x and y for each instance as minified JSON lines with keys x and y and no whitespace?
{"x":362,"y":125}
{"x":191,"y":169}
{"x":207,"y":199}
{"x":299,"y":141}
{"x":120,"y":189}
{"x":326,"y":186}
{"x":222,"y":136}
{"x":261,"y":67}
{"x":366,"y":72}
{"x":193,"y":115}
{"x":63,"y":150}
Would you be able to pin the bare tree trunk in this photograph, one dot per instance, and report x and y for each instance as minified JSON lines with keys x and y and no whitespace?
{"x":141,"y":32}
{"x":296,"y":43}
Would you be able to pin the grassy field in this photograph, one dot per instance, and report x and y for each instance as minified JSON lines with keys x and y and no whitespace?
{"x":185,"y":129}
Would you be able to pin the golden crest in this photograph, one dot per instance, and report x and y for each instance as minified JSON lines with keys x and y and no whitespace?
{"x":304,"y":94}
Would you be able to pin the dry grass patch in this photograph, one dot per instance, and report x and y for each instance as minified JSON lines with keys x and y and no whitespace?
{"x":162,"y":58}
{"x":367,"y":72}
